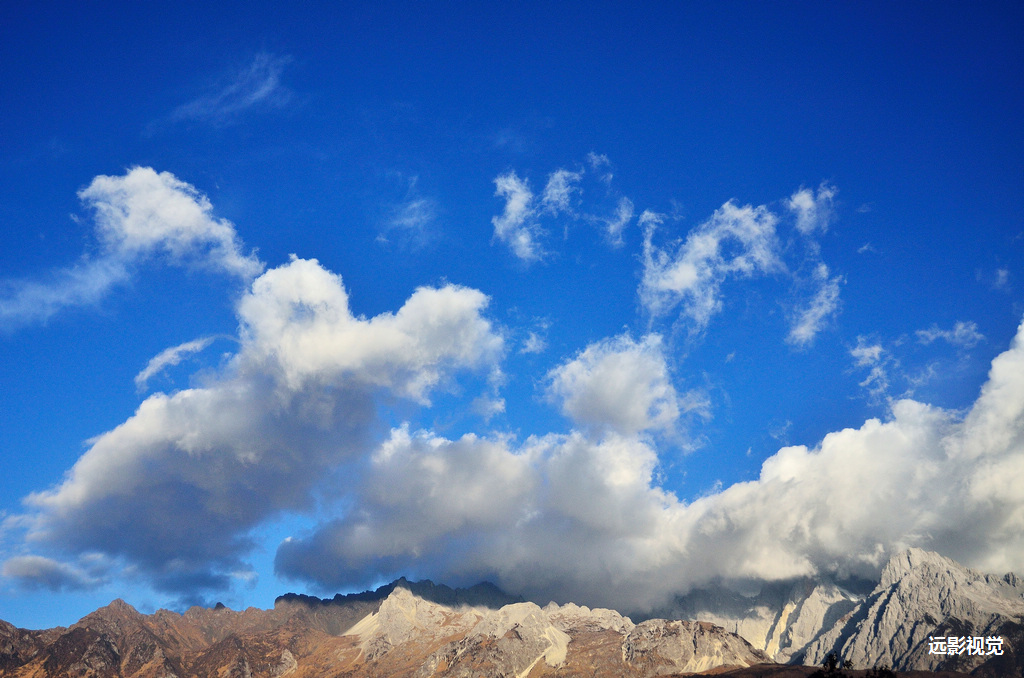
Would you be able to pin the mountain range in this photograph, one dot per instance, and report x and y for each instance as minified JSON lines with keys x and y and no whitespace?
{"x":423,"y":629}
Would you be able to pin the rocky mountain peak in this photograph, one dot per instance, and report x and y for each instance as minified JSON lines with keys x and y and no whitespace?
{"x":915,"y":561}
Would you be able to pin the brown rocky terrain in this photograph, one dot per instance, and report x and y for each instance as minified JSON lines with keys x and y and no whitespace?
{"x":402,"y":629}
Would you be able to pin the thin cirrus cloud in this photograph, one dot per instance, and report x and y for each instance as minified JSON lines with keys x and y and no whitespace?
{"x":256,"y":85}
{"x":409,"y":223}
{"x":138,"y":216}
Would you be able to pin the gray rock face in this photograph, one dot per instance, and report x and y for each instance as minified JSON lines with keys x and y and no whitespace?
{"x":919,"y":595}
{"x":781,"y":620}
{"x":923,"y":594}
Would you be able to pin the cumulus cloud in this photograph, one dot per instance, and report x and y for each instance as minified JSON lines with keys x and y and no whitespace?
{"x":576,"y":517}
{"x":175,"y":490}
{"x":618,"y":384}
{"x":168,"y":358}
{"x":735,"y":241}
{"x":964,"y":334}
{"x":139,"y":216}
{"x":256,"y":85}
{"x":811,"y":319}
{"x":814,"y":211}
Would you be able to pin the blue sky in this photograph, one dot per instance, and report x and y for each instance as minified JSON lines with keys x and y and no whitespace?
{"x":599,"y":303}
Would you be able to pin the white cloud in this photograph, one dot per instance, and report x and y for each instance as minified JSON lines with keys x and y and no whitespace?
{"x":139,"y":216}
{"x":410,"y":222}
{"x":619,"y":385}
{"x":169,"y":357}
{"x":618,"y":222}
{"x":735,"y":241}
{"x":574,"y":517}
{"x":144,"y":213}
{"x":811,"y":319}
{"x":558,"y":192}
{"x":813,"y":210}
{"x":867,"y":354}
{"x":534,"y":343}
{"x":517,"y":226}
{"x":964,"y":334}
{"x":175,"y":489}
{"x":879,"y":361}
{"x":258,"y":84}
{"x":83,"y":284}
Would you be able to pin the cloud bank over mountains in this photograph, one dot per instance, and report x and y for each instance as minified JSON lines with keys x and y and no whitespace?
{"x":295,"y":423}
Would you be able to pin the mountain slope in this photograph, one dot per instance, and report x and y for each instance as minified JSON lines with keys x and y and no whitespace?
{"x":398,"y":630}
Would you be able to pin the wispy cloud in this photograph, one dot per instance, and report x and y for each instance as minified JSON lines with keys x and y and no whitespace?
{"x":878,"y":361}
{"x":615,"y":224}
{"x":168,"y":358}
{"x":519,"y":226}
{"x":737,"y":241}
{"x":559,"y":189}
{"x":811,"y":319}
{"x":256,"y":85}
{"x":139,"y":216}
{"x":964,"y":334}
{"x":409,"y":223}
